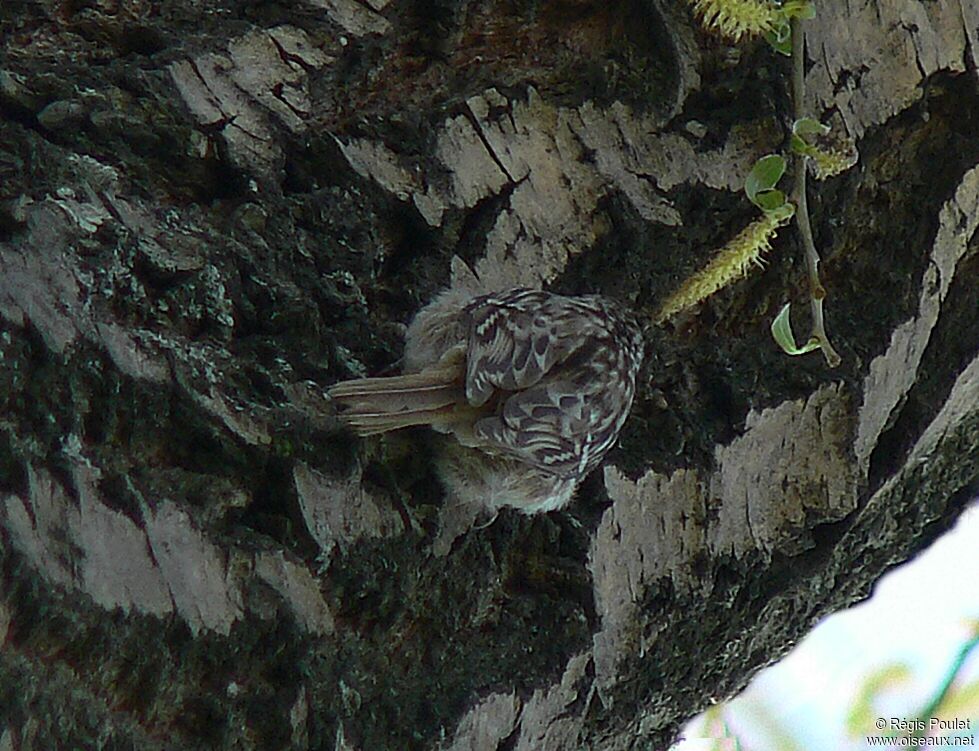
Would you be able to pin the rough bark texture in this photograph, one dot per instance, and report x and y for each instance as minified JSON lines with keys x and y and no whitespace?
{"x":211,"y":211}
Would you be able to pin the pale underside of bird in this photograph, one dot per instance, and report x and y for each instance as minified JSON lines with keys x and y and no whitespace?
{"x":530,"y":388}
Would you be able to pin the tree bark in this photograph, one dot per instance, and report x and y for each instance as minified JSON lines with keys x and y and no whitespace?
{"x":211,"y":212}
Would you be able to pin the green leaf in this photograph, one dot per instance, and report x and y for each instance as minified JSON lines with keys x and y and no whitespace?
{"x":809,"y":126}
{"x":782,"y":46}
{"x":782,"y":213}
{"x":802,"y":9}
{"x":780,"y":37}
{"x":782,"y":333}
{"x":782,"y":31}
{"x":863,"y":706}
{"x":798,"y":146}
{"x":764,"y":176}
{"x":770,"y":200}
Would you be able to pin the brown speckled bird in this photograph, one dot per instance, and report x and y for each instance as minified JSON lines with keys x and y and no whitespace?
{"x":533,"y":387}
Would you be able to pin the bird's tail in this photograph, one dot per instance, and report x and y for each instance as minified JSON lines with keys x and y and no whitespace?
{"x":435,"y":396}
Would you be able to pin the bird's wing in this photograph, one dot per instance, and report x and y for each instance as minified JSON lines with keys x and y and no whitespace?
{"x":549,"y":366}
{"x":513,"y":343}
{"x":549,"y":426}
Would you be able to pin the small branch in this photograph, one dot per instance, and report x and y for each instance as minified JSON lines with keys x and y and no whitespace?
{"x":817,"y":292}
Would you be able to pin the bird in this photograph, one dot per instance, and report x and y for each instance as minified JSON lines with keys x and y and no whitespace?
{"x":530,"y":389}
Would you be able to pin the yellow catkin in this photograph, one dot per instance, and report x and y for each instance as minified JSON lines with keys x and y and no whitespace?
{"x":830,"y":162}
{"x":731,"y":263}
{"x":736,"y":18}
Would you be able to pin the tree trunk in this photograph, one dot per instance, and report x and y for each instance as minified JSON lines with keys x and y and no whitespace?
{"x":209,"y":212}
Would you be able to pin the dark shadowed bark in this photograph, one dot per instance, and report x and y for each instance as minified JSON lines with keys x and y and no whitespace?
{"x":209,"y":212}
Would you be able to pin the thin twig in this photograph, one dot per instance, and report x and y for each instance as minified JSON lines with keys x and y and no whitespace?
{"x":946,"y":686}
{"x":816,"y":291}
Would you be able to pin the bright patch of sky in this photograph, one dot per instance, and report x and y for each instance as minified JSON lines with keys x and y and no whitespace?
{"x":919,"y":615}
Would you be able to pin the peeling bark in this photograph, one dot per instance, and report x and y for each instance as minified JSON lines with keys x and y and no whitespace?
{"x":209,"y":215}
